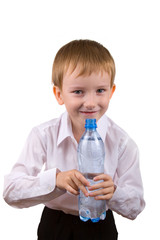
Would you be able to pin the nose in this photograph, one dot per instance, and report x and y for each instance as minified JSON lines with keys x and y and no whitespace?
{"x":90,"y":101}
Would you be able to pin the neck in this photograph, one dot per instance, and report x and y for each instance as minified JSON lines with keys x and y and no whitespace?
{"x":78,"y":134}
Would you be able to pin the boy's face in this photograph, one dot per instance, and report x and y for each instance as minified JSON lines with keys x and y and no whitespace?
{"x":84,"y":96}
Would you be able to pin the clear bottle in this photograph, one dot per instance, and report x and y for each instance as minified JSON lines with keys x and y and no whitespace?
{"x":91,"y":155}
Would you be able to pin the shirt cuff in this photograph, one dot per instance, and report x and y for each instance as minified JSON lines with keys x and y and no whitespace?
{"x":125,"y":204}
{"x":48,"y":183}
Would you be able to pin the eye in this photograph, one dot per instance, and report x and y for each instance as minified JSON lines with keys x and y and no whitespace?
{"x":100,"y":90}
{"x":78,"y":92}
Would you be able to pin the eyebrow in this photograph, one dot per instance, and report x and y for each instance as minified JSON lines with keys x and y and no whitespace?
{"x":76,"y":87}
{"x":103,"y":86}
{"x":82,"y":87}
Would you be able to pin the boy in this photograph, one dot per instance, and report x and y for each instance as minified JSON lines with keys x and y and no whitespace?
{"x":83,"y":77}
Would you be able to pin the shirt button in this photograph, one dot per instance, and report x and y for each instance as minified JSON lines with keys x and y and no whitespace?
{"x":50,"y":189}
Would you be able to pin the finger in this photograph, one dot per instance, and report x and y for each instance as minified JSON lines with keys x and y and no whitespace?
{"x":103,"y":184}
{"x":73,"y":185}
{"x":96,"y":186}
{"x":104,"y":177}
{"x":84,"y":190}
{"x":104,"y":197}
{"x":81,"y":186}
{"x":104,"y":191}
{"x":72,"y":190}
{"x":82,"y":179}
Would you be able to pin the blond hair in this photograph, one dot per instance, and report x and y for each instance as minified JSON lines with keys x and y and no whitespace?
{"x":89,"y":55}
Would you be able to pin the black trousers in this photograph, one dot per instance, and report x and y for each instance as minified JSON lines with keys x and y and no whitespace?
{"x":56,"y":225}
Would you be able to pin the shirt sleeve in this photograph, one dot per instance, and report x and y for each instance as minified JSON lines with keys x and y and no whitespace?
{"x":128,"y":197}
{"x":28,"y":184}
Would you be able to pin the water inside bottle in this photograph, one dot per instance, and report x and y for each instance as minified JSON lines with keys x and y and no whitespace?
{"x":89,"y":207}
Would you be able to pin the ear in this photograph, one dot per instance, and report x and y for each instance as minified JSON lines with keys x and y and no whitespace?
{"x":58,"y":95}
{"x":112,"y":90}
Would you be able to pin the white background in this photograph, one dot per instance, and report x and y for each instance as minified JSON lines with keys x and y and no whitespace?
{"x":31,"y":33}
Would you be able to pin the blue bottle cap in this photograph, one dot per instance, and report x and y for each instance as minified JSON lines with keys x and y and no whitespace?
{"x":90,"y":123}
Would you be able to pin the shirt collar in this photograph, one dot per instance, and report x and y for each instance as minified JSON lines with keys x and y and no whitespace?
{"x":102,"y":127}
{"x":65,"y":129}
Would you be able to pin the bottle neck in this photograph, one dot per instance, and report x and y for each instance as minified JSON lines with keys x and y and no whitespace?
{"x":90,"y":129}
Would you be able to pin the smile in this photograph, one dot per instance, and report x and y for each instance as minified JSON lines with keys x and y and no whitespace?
{"x":88,"y":113}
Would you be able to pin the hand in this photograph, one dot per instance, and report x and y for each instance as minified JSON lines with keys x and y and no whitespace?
{"x":106,"y":188}
{"x":72,"y":181}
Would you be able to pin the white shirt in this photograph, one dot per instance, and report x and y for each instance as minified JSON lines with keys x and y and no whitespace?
{"x":53,"y":146}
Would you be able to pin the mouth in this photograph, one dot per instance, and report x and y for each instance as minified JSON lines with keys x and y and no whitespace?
{"x":88,"y":113}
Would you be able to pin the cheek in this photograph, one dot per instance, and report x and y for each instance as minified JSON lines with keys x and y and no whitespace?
{"x":75,"y":103}
{"x":72,"y":106}
{"x":104,"y":102}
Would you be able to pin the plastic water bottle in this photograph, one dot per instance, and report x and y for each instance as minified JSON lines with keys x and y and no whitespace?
{"x":91,"y":155}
